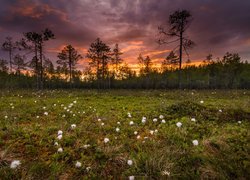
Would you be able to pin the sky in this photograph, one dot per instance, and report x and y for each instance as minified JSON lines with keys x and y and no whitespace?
{"x":217,"y":27}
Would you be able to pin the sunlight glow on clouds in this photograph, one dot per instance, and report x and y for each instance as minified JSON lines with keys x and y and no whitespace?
{"x":132,"y":24}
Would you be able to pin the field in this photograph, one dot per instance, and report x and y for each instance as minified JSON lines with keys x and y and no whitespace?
{"x":184,"y":134}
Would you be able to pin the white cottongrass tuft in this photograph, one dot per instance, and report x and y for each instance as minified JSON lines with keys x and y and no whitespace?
{"x":118,"y":123}
{"x":78,"y":164}
{"x":56,"y":144}
{"x":46,"y":113}
{"x":138,"y":137}
{"x":135,"y":133}
{"x":161,"y":116}
{"x":6,"y":117}
{"x":144,"y":119}
{"x":220,"y":110}
{"x":88,"y":169}
{"x":129,"y":115}
{"x":179,"y":124}
{"x":193,"y":119}
{"x":165,"y":173}
{"x":73,"y":126}
{"x":102,"y":124}
{"x":106,"y":140}
{"x":59,"y":132}
{"x":155,"y":120}
{"x":151,"y":132}
{"x":201,"y":101}
{"x":60,"y":150}
{"x":37,"y":117}
{"x":131,"y":177}
{"x":239,"y":122}
{"x":59,"y":137}
{"x":195,"y":142}
{"x":85,"y":146}
{"x":131,"y":123}
{"x":130,"y":162}
{"x":99,"y":120}
{"x":14,"y":164}
{"x":163,"y":121}
{"x":117,"y":129}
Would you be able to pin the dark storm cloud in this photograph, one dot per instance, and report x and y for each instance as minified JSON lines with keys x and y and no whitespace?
{"x":24,"y":16}
{"x":217,"y":26}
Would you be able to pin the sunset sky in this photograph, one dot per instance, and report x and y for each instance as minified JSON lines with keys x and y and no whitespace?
{"x":218,"y":26}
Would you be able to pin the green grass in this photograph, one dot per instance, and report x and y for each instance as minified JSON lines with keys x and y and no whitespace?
{"x":223,"y":151}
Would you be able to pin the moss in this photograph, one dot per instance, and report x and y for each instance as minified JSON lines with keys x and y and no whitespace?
{"x":222,"y":153}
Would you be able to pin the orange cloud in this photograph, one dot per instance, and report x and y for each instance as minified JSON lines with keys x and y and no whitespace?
{"x":56,"y":49}
{"x":136,"y":42}
{"x":83,"y":51}
{"x":133,"y":46}
{"x":155,"y":52}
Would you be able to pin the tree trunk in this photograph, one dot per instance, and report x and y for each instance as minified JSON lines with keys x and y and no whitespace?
{"x":103,"y":73}
{"x":10,"y":54}
{"x":41,"y":65}
{"x":36,"y":71}
{"x":180,"y":55}
{"x":70,"y":69}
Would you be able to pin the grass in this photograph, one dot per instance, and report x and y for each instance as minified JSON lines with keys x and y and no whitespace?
{"x":222,"y":153}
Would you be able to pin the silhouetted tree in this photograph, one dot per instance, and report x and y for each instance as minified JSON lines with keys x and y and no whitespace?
{"x":208,"y":59}
{"x":145,"y":65}
{"x":68,"y":58}
{"x":99,"y":55}
{"x":126,"y":72}
{"x":37,"y":40}
{"x":141,"y":63}
{"x":172,"y":60}
{"x":49,"y":69}
{"x":9,"y":46}
{"x":231,"y":61}
{"x":3,"y":65}
{"x":19,"y":63}
{"x":179,"y":22}
{"x":148,"y":65}
{"x":116,"y":60}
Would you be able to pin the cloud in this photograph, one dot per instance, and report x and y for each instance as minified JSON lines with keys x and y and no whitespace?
{"x":217,"y":27}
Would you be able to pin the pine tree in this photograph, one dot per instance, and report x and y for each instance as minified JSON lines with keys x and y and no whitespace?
{"x":68,"y":58}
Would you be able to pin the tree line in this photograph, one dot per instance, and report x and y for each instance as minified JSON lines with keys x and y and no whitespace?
{"x":28,"y":67}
